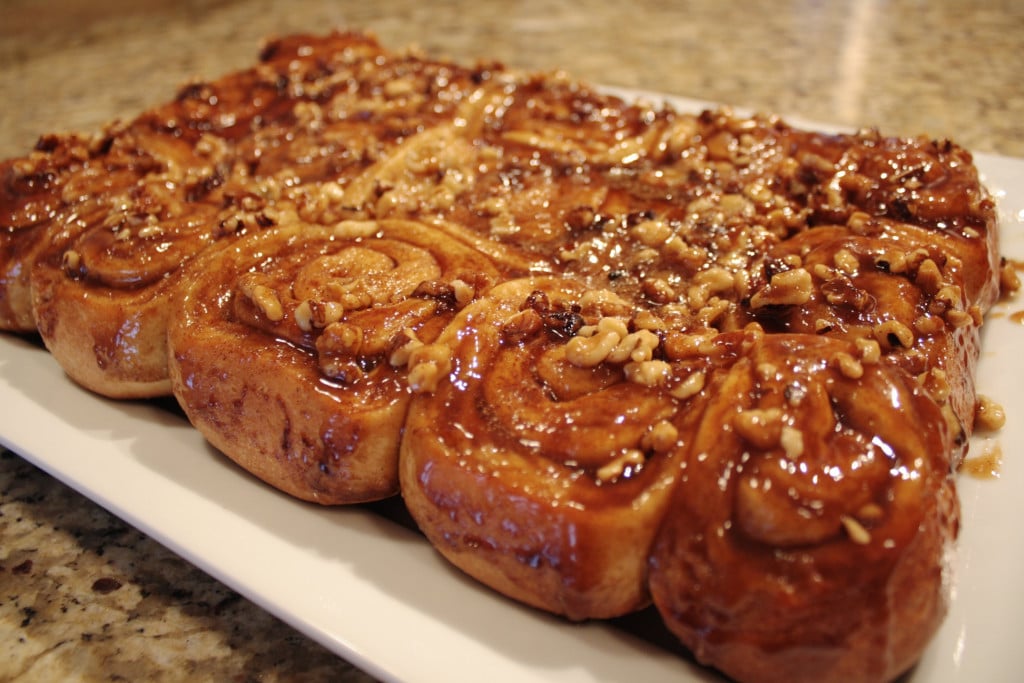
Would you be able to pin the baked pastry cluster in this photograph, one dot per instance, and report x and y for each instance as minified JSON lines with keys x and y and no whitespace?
{"x":609,"y":353}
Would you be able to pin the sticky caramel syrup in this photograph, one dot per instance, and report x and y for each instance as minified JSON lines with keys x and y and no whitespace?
{"x":987,"y":465}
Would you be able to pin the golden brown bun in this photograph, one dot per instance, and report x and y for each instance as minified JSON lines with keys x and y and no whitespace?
{"x":29,"y":200}
{"x":102,"y":308}
{"x":537,"y":477}
{"x":902,"y":251}
{"x":809,"y":535}
{"x":289,"y":347}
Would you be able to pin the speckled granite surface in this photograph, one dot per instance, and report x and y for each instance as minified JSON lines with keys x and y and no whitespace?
{"x":84,"y":596}
{"x":948,"y":69}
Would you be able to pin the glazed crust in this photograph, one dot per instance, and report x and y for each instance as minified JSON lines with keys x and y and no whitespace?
{"x":510,"y":468}
{"x":780,"y":558}
{"x":29,"y":201}
{"x":289,"y":348}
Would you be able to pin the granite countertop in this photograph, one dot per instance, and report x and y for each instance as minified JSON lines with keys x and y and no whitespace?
{"x":83,"y":595}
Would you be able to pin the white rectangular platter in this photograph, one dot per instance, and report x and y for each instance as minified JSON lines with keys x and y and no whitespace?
{"x":375,"y":593}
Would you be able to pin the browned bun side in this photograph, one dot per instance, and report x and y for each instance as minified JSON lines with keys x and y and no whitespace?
{"x":290,"y":348}
{"x":31,"y":197}
{"x":809,"y":534}
{"x":101,"y":303}
{"x":542,"y":477}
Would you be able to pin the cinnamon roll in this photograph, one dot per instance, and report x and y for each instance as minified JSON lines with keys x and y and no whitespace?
{"x":809,"y":532}
{"x":901,"y":252}
{"x":541,"y":466}
{"x":293,"y":350}
{"x":30,"y":200}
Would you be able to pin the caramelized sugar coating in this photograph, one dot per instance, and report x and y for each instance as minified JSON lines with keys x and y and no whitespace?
{"x":30,"y":199}
{"x":881,"y":286}
{"x":808,"y":533}
{"x":860,"y":265}
{"x":293,"y":349}
{"x":902,"y":252}
{"x":539,"y":476}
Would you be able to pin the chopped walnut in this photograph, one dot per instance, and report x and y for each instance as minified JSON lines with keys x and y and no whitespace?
{"x":893,"y":261}
{"x":690,"y":386}
{"x":310,"y":314}
{"x":977,"y":317}
{"x":792,"y":441}
{"x":658,"y":290}
{"x":651,"y":233}
{"x":715,"y":279}
{"x":592,"y":344}
{"x":927,"y":325}
{"x":522,"y":326}
{"x":855,"y":530}
{"x":846,"y":261}
{"x":661,"y":437}
{"x":648,"y":373}
{"x":858,"y":222}
{"x":603,"y":302}
{"x":71,"y":262}
{"x":989,"y":416}
{"x":610,"y":341}
{"x":957,"y":319}
{"x":849,"y":366}
{"x":428,"y":365}
{"x":400,"y":356}
{"x":841,"y":291}
{"x":893,"y":333}
{"x":936,"y":383}
{"x":788,"y":288}
{"x":628,"y":460}
{"x":766,"y":371}
{"x":464,"y":292}
{"x":264,"y":298}
{"x":678,"y":251}
{"x":950,"y":297}
{"x":929,"y":277}
{"x":870,"y":350}
{"x":1009,"y":281}
{"x":646,"y":320}
{"x":761,"y":427}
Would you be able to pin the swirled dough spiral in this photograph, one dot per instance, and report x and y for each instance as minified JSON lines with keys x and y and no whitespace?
{"x":537,"y":476}
{"x":291,"y":349}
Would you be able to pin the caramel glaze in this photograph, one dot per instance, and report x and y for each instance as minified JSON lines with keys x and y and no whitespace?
{"x":987,"y":465}
{"x":775,"y":567}
{"x":315,"y":316}
{"x":502,"y":466}
{"x":32,"y":202}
